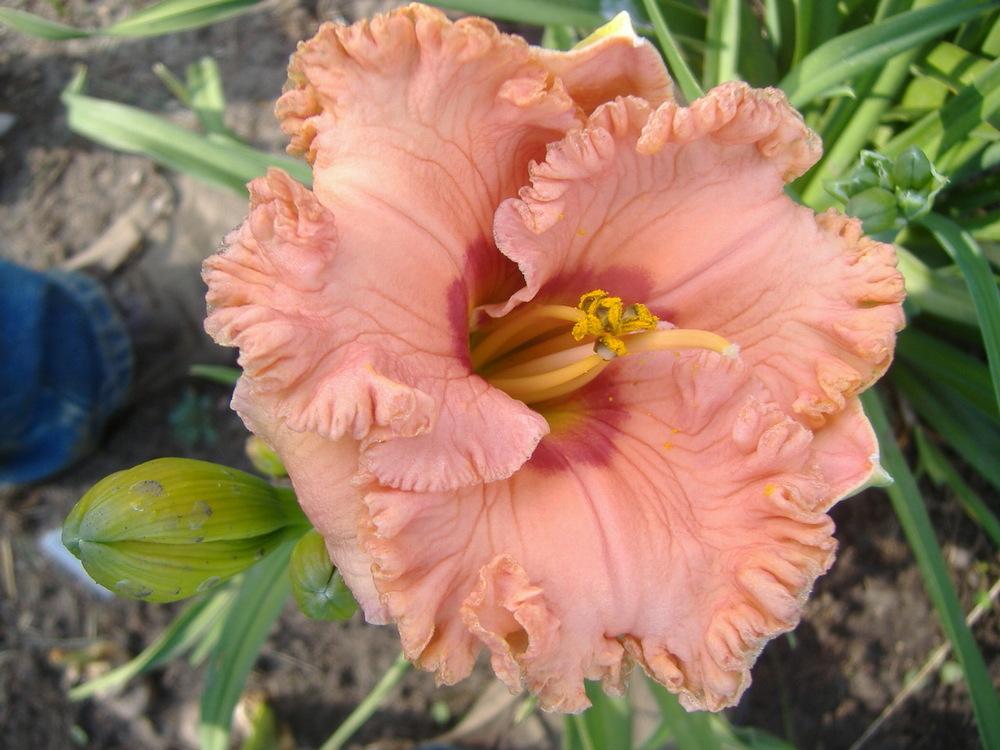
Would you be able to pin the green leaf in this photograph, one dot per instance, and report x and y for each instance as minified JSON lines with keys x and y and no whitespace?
{"x":185,"y":632}
{"x":723,"y":41}
{"x":559,"y":37}
{"x":608,"y":720}
{"x":953,"y":66}
{"x":261,"y":597}
{"x":934,"y":291}
{"x":966,"y":252}
{"x":984,"y":227}
{"x":368,"y":706}
{"x":967,"y":431}
{"x":213,"y":158}
{"x":675,"y":58}
{"x":757,"y":63}
{"x":908,"y":504}
{"x":28,"y":23}
{"x":991,"y":44}
{"x":943,"y":363}
{"x":163,"y":18}
{"x":217,"y":373}
{"x":176,"y":15}
{"x":941,"y":129}
{"x":585,"y":13}
{"x":850,"y":124}
{"x":691,"y":731}
{"x":207,"y":98}
{"x":844,"y":57}
{"x":941,"y":472}
{"x":779,"y":19}
{"x":815,"y":22}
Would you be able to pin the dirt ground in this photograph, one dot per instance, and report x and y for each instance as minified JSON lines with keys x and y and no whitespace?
{"x":867,"y":627}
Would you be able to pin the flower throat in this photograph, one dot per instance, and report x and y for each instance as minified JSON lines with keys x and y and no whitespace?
{"x":541,"y":352}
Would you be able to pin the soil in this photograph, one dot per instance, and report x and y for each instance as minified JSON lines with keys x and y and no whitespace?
{"x":868,"y":625}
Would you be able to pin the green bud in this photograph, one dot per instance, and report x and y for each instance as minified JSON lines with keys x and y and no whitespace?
{"x":857,"y":180}
{"x":912,"y":170}
{"x":913,"y":203}
{"x":264,"y":459}
{"x":876,"y":207}
{"x":319,"y":589}
{"x":879,"y":164}
{"x":174,"y":527}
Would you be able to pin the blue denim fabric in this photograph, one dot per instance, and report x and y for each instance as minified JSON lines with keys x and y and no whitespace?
{"x":65,"y":367}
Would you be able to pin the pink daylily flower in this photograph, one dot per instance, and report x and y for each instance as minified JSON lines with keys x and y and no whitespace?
{"x":578,"y":485}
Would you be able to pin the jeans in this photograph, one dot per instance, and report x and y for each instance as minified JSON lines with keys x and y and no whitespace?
{"x":65,"y":367}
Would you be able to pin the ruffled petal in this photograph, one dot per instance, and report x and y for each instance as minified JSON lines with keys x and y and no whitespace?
{"x":418,"y":115}
{"x":674,"y":519}
{"x":614,"y":62}
{"x":685,"y":207}
{"x":322,"y":472}
{"x":340,"y":339}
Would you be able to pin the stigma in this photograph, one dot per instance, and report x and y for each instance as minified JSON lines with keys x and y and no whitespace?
{"x":542,"y":352}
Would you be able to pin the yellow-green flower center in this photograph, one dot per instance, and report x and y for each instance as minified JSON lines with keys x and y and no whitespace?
{"x":534,"y":356}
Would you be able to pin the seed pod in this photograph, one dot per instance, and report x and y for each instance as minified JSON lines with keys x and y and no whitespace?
{"x":318,"y":587}
{"x":174,"y":527}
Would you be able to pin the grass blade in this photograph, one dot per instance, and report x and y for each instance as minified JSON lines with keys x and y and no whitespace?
{"x":937,"y":131}
{"x":943,"y":363}
{"x":176,"y":15}
{"x":723,"y":41}
{"x":675,"y":58}
{"x":757,"y":61}
{"x":185,"y":632}
{"x":909,"y":506}
{"x":608,"y":720}
{"x":815,"y":22}
{"x":934,"y":291}
{"x":941,"y":472}
{"x":851,"y":124}
{"x":29,"y":23}
{"x":261,"y":597}
{"x":966,"y":430}
{"x":163,"y":18}
{"x":216,"y":159}
{"x":585,"y":13}
{"x":369,"y":705}
{"x":969,"y":257}
{"x":207,"y":98}
{"x":691,"y":731}
{"x":844,"y":57}
{"x":216,"y":373}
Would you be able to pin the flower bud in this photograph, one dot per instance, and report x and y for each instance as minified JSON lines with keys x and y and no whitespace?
{"x":264,"y":459}
{"x":876,"y":207}
{"x":912,"y":170}
{"x":318,"y":588}
{"x":858,"y":179}
{"x":174,"y":527}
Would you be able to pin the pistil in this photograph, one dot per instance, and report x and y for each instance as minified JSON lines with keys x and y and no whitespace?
{"x":530,"y":356}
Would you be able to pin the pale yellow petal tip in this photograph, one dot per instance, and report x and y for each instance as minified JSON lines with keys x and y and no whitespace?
{"x":620,"y":25}
{"x":731,"y":352}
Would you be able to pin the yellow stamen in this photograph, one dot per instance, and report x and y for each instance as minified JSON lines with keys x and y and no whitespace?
{"x":681,"y":338}
{"x":607,"y":318}
{"x":529,"y":387}
{"x":546,"y":363}
{"x":532,"y":321}
{"x":569,"y":386}
{"x":530,"y":359}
